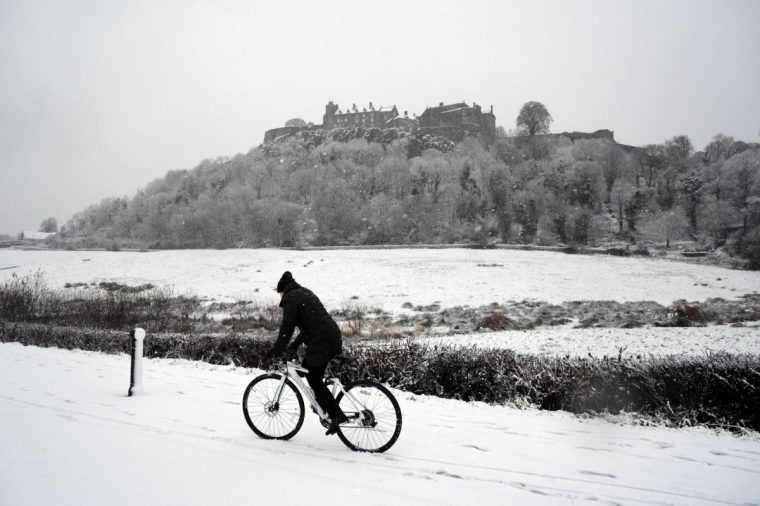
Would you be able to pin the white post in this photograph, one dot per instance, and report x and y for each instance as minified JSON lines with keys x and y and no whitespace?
{"x":136,"y":347}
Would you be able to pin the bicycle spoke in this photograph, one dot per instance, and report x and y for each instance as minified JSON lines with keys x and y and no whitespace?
{"x":370,"y":401}
{"x":267,"y":418}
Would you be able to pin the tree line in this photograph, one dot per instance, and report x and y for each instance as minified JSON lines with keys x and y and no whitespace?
{"x":533,"y":189}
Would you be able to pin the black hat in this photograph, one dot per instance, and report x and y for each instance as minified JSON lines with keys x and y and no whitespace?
{"x":285,"y":280}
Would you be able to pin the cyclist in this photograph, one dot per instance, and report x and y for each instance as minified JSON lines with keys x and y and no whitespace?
{"x":321,"y":335}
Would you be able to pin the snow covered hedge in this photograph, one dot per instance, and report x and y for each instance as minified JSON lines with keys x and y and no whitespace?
{"x":717,"y":390}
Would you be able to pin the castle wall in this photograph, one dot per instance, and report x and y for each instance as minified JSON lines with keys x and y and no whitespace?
{"x":274,"y":133}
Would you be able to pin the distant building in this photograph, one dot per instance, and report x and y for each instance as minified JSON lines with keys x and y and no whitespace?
{"x":372,"y":117}
{"x":36,"y":236}
{"x":274,"y":133}
{"x":456,"y":121}
{"x":403,"y":122}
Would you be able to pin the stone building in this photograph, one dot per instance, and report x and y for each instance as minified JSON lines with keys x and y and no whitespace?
{"x":455,"y":121}
{"x":404,"y":123}
{"x":372,"y":117}
{"x":274,"y":133}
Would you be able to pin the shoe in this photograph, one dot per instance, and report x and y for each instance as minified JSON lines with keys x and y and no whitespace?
{"x":335,"y":423}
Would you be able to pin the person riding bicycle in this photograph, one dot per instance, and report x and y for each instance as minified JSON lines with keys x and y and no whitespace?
{"x":320,"y":334}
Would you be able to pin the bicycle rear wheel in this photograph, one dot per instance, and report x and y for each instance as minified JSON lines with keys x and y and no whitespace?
{"x":374,"y":417}
{"x":270,"y":419}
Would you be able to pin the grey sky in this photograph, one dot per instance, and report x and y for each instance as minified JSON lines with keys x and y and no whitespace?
{"x":98,"y":98}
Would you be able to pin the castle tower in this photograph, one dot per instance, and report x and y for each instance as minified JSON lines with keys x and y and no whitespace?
{"x":328,"y":120}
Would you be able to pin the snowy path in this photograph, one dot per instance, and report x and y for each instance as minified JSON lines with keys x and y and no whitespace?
{"x":68,"y":435}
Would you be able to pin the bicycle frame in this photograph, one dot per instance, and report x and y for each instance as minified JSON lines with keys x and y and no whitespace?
{"x":291,"y":371}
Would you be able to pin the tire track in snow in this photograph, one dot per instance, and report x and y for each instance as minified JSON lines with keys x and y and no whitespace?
{"x":393,"y":466}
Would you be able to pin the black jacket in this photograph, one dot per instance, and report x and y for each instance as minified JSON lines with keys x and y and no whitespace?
{"x":318,"y":331}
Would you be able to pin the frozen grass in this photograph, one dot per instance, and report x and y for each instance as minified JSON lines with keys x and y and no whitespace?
{"x":118,"y":306}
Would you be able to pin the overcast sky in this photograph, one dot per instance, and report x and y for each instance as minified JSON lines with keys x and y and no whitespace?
{"x":98,"y":98}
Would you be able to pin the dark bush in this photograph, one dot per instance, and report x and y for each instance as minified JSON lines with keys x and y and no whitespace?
{"x":717,"y":390}
{"x":496,"y":321}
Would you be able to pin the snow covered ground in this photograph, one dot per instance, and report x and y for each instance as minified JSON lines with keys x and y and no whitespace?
{"x":389,"y":278}
{"x":646,"y":341}
{"x":70,"y":436}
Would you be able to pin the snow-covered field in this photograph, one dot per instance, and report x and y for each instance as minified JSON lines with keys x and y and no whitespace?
{"x":389,"y":278}
{"x":564,"y":340}
{"x":70,"y":436}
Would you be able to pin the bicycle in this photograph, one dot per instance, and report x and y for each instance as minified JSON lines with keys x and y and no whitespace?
{"x":274,"y":408}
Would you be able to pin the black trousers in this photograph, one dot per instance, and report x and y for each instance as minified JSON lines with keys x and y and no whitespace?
{"x":315,"y":378}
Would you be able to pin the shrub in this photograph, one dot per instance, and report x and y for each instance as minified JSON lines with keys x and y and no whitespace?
{"x":495,"y":321}
{"x":716,"y":390}
{"x":687,"y":314}
{"x":112,"y":306}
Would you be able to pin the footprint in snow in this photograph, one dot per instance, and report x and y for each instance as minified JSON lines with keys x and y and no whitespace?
{"x":416,"y":475}
{"x":443,"y":472}
{"x":595,"y":473}
{"x":475,"y":447}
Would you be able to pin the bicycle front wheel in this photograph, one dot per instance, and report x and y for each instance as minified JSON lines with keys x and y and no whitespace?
{"x":268,"y":417}
{"x":374,"y":417}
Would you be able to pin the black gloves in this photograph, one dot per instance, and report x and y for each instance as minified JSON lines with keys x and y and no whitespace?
{"x":291,"y":352}
{"x":271,"y":358}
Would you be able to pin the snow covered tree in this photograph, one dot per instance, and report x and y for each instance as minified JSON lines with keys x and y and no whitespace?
{"x":49,"y":225}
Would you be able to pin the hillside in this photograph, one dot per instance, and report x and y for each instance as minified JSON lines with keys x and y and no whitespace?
{"x":357,"y":187}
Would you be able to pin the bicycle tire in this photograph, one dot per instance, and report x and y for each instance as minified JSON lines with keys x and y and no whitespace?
{"x":270,"y":422}
{"x":382,"y":417}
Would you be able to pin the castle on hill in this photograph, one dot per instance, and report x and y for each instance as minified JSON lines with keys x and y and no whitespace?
{"x":452,"y":121}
